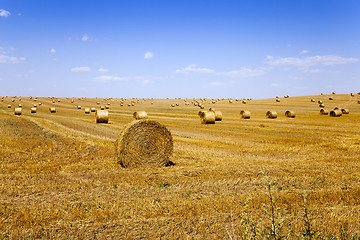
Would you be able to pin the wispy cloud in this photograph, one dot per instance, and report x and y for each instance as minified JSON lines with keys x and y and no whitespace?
{"x":146,"y":81}
{"x":4,"y":13}
{"x":108,"y":78}
{"x":81,"y":69}
{"x":52,"y":50}
{"x":304,"y":52}
{"x":306,"y":62}
{"x":241,"y":73}
{"x":103,"y":70}
{"x":148,"y":55}
{"x":10,"y":59}
{"x":192,"y":68}
{"x":84,"y":38}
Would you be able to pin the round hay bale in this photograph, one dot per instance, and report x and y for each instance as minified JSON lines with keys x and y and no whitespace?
{"x":320,"y":102}
{"x":213,"y":102}
{"x":312,"y":100}
{"x":202,"y":107}
{"x":102,"y":116}
{"x":321,"y":105}
{"x":335,"y":113}
{"x":324,"y":111}
{"x":358,"y":101}
{"x":218,"y":115}
{"x":351,"y":94}
{"x":52,"y":110}
{"x":152,"y":102}
{"x":230,"y":101}
{"x":129,"y":105}
{"x":345,"y":111}
{"x":87,"y":110}
{"x":290,"y":114}
{"x":9,"y":106}
{"x":277,"y":100}
{"x":173,"y":105}
{"x":20,"y":106}
{"x":17,"y":111}
{"x":244,"y":101}
{"x":12,"y":100}
{"x":336,"y":108}
{"x":140,"y":115}
{"x":199,"y":113}
{"x":40,"y":103}
{"x":333,"y":92}
{"x":72,"y":100}
{"x":78,"y":107}
{"x":331,"y":98}
{"x":92,"y":109}
{"x":33,"y":110}
{"x":102,"y":108}
{"x":58,"y":100}
{"x":245,"y":114}
{"x":212,"y":109}
{"x":207,"y":117}
{"x":107,"y":107}
{"x":144,"y":143}
{"x":53,"y":101}
{"x":98,"y":103}
{"x":35,"y":105}
{"x":271,"y":114}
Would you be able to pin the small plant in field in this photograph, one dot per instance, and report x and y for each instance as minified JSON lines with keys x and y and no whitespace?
{"x":274,"y":231}
{"x":308,"y":231}
{"x":162,"y":185}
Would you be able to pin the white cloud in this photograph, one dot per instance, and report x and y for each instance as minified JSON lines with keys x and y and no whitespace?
{"x":4,"y":13}
{"x":275,"y":84}
{"x":9,"y":59}
{"x":84,"y":38}
{"x":241,"y":73}
{"x":304,"y":52}
{"x":148,"y":55}
{"x":146,"y":81}
{"x":107,"y":78}
{"x":192,"y":68}
{"x":52,"y":50}
{"x":54,"y":59}
{"x":81,"y":69}
{"x":306,"y":62}
{"x":216,"y":84}
{"x":103,"y":70}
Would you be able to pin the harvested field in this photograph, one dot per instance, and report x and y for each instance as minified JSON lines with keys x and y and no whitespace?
{"x":61,"y":177}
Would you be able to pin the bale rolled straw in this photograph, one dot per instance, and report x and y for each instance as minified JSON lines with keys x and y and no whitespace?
{"x":93,"y":109}
{"x":144,"y":143}
{"x":52,"y":110}
{"x":207,"y":117}
{"x":79,"y":107}
{"x":102,"y":116}
{"x":245,"y":114}
{"x":290,"y":114}
{"x":87,"y":110}
{"x":271,"y":114}
{"x":321,"y":105}
{"x":140,"y":115}
{"x":324,"y":111}
{"x":312,"y":100}
{"x":9,"y":106}
{"x":33,"y":110}
{"x":17,"y":111}
{"x":331,"y":98}
{"x":335,"y":113}
{"x":218,"y":115}
{"x":345,"y":111}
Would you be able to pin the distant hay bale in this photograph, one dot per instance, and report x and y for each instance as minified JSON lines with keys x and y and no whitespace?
{"x":207,"y":117}
{"x":321,"y":93}
{"x":312,"y":100}
{"x":92,"y":109}
{"x":173,"y":105}
{"x":331,"y":98}
{"x":333,"y":92}
{"x":40,"y":103}
{"x":78,"y":107}
{"x":320,"y":102}
{"x":72,"y":100}
{"x":230,"y":101}
{"x":345,"y":111}
{"x":140,"y":115}
{"x":58,"y":100}
{"x":53,"y":101}
{"x":152,"y":102}
{"x":271,"y":114}
{"x":107,"y":107}
{"x":132,"y":104}
{"x":102,"y":108}
{"x":335,"y":113}
{"x":324,"y":111}
{"x":199,"y":113}
{"x":286,"y":96}
{"x":108,"y":103}
{"x":277,"y":100}
{"x":33,"y":110}
{"x":87,"y":110}
{"x":212,"y":109}
{"x":322,"y":105}
{"x":129,"y":105}
{"x":290,"y":114}
{"x":52,"y":110}
{"x":245,"y":114}
{"x":20,"y":106}
{"x":35,"y":105}
{"x":358,"y":101}
{"x":102,"y":116}
{"x":9,"y":106}
{"x":98,"y":103}
{"x":187,"y":103}
{"x":351,"y":94}
{"x":336,"y":108}
{"x":144,"y":143}
{"x":17,"y":111}
{"x":202,"y":107}
{"x":213,"y":102}
{"x":244,"y":101}
{"x":195,"y":104}
{"x":12,"y":100}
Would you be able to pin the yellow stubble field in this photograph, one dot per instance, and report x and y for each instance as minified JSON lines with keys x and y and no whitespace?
{"x":254,"y":178}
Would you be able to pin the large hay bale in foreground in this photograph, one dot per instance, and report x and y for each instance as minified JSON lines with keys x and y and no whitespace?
{"x":324,"y":111}
{"x":218,"y":115}
{"x":102,"y":116}
{"x":140,"y":115}
{"x":17,"y":111}
{"x":335,"y":113}
{"x":290,"y":114}
{"x":144,"y":143}
{"x":207,"y":117}
{"x":271,"y":114}
{"x":245,"y":114}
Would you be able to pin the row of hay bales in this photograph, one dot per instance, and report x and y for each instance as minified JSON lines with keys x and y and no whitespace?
{"x":210,"y":117}
{"x":336,"y":112}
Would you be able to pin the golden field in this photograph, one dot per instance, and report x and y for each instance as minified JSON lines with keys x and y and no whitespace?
{"x":257,"y":178}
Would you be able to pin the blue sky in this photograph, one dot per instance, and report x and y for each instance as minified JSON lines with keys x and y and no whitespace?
{"x":179,"y":48}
